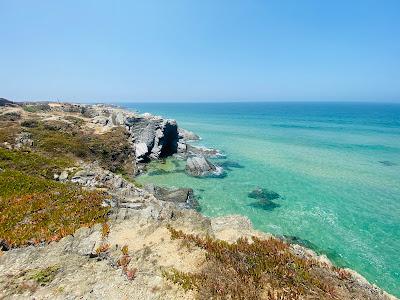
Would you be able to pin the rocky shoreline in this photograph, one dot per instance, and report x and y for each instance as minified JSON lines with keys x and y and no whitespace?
{"x":88,"y":264}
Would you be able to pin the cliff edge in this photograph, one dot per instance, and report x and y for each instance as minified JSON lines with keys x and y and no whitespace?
{"x":75,"y":225}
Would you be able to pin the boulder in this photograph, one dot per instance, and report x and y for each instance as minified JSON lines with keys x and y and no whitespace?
{"x":200,"y":166}
{"x":173,"y":195}
{"x":184,"y":197}
{"x":63,"y":176}
{"x":186,"y":135}
{"x":84,"y":177}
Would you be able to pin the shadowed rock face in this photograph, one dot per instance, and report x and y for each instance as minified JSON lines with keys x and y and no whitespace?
{"x":169,"y":139}
{"x":154,"y":137}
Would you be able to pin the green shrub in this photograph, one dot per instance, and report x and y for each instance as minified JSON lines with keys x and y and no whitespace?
{"x":36,"y":107}
{"x":33,"y":163}
{"x":10,"y":116}
{"x":30,"y":123}
{"x":46,"y":275}
{"x":111,"y":149}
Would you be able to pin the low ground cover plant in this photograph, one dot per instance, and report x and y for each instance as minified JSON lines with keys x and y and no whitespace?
{"x":250,"y":269}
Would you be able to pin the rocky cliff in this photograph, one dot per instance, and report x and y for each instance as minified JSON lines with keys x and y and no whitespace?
{"x":75,"y":225}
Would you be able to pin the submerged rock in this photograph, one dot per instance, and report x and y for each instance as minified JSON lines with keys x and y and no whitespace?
{"x":263,"y":194}
{"x":387,"y":163}
{"x":265,"y":199}
{"x":264,"y":205}
{"x":200,"y":166}
{"x":229,"y":165}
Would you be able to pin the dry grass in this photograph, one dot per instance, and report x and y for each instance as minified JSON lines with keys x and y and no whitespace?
{"x":105,"y":230}
{"x":103,"y":248}
{"x":256,"y":269}
{"x":8,"y":132}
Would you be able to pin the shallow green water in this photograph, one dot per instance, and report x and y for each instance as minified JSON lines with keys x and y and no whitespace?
{"x":335,"y":166}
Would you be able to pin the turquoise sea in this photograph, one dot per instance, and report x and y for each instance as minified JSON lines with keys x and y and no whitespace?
{"x":336,"y":167}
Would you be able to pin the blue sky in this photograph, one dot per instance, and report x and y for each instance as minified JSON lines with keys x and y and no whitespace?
{"x":200,"y":50}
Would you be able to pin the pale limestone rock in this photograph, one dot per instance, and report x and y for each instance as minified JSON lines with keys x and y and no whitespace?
{"x":200,"y":166}
{"x":141,"y":150}
{"x":63,"y":176}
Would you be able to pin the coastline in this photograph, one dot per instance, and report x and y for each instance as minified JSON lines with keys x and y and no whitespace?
{"x":133,"y":205}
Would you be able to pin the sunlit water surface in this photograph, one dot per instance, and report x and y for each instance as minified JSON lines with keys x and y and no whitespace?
{"x":335,"y":166}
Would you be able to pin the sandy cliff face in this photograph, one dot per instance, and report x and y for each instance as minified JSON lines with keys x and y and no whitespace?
{"x":128,"y":257}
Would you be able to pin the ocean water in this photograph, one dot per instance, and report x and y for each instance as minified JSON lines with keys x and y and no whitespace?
{"x":335,"y":166}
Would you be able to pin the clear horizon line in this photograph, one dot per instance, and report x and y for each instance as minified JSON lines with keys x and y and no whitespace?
{"x":204,"y":101}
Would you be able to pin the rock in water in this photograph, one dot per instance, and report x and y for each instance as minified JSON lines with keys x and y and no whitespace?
{"x":202,"y":151}
{"x":186,"y":135}
{"x":387,"y":163}
{"x":200,"y":166}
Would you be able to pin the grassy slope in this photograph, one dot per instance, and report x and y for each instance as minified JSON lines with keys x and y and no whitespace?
{"x":34,"y":207}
